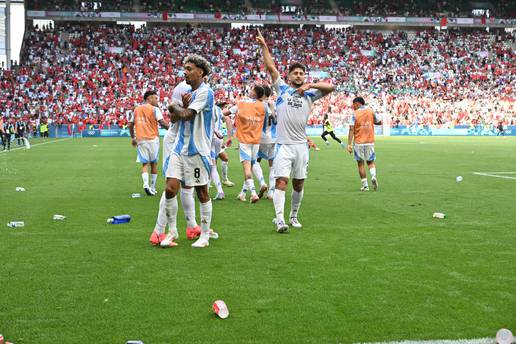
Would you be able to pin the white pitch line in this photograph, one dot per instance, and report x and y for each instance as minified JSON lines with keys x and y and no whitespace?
{"x":492,"y":175}
{"x":37,"y":144}
{"x":499,"y":172}
{"x":442,"y":341}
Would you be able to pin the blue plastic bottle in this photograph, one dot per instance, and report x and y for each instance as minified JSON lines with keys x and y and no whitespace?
{"x":115,"y":220}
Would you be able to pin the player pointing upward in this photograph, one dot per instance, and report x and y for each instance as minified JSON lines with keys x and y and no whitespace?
{"x":293,"y":107}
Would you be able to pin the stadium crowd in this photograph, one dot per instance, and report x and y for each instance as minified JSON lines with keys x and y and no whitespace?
{"x":419,"y":8}
{"x":94,"y":75}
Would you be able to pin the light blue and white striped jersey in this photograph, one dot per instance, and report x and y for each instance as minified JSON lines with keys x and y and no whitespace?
{"x":292,"y":111}
{"x":194,"y":136}
{"x":172,"y":131}
{"x":217,"y":120}
{"x":269,"y":126}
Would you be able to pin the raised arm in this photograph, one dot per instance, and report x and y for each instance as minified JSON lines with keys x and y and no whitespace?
{"x":267,"y":58}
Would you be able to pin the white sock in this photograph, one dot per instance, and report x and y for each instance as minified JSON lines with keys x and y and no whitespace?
{"x":244,"y":188}
{"x":171,"y":206}
{"x":364,"y":182}
{"x":272,"y":180}
{"x":215,"y":178}
{"x":161,"y":222}
{"x":224,"y":170}
{"x":250,"y":185}
{"x":145,"y":177}
{"x":188,"y":202}
{"x":279,"y":204}
{"x":206,"y":211}
{"x":257,"y":170}
{"x":297,"y":197}
{"x":373,"y":172}
{"x":153,"y":180}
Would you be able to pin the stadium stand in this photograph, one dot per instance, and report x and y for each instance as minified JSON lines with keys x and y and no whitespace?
{"x":93,"y":75}
{"x":462,"y":8}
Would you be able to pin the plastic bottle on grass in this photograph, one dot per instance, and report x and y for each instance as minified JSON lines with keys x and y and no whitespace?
{"x":115,"y":220}
{"x":14,"y":224}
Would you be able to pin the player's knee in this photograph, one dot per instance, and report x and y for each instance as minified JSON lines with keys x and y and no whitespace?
{"x":170,"y":191}
{"x":297,"y":184}
{"x":202,"y":193}
{"x":281,"y":183}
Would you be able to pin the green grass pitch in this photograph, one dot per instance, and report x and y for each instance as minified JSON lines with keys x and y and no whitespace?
{"x":365,"y":267}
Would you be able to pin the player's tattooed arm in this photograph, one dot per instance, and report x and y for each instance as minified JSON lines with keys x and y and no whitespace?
{"x":179,"y":113}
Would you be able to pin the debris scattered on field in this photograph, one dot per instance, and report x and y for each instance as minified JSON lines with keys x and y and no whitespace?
{"x":15,"y":224}
{"x":220,"y":308}
{"x":136,"y":195}
{"x":58,"y":217}
{"x":20,"y":189}
{"x":439,"y":215}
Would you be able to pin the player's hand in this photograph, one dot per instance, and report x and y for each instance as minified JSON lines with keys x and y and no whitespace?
{"x":305,"y":87}
{"x":260,"y":40}
{"x":187,"y":98}
{"x":134,"y":143}
{"x":350,"y":149}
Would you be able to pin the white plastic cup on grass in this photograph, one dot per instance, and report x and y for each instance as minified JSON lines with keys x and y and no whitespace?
{"x":220,"y":308}
{"x":458,"y":179}
{"x":504,"y":336}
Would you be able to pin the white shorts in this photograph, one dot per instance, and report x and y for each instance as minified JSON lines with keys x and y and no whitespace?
{"x":216,"y":147}
{"x":266,"y":151}
{"x":364,"y":152}
{"x":192,"y":170}
{"x":147,"y":151}
{"x":249,"y":152}
{"x":291,"y":161}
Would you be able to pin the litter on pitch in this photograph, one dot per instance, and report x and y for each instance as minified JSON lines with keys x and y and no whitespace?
{"x":458,"y":179}
{"x":136,"y":195}
{"x":115,"y":220}
{"x":439,"y":215}
{"x":220,"y":308}
{"x":15,"y":224}
{"x":504,"y":336}
{"x":58,"y":217}
{"x":20,"y":189}
{"x":134,"y":342}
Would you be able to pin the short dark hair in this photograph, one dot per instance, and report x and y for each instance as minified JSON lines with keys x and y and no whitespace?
{"x":296,"y":65}
{"x":267,"y":90}
{"x":148,"y":94}
{"x":359,"y":100}
{"x":199,"y":62}
{"x":222,"y":104}
{"x":259,"y":91}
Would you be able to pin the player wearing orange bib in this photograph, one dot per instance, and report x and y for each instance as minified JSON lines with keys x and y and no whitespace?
{"x":361,"y":140}
{"x":249,"y":117}
{"x":143,"y":127}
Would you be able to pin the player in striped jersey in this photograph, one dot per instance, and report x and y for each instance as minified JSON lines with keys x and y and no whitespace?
{"x":190,"y":162}
{"x":267,"y":145}
{"x":217,"y":151}
{"x":193,"y":230}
